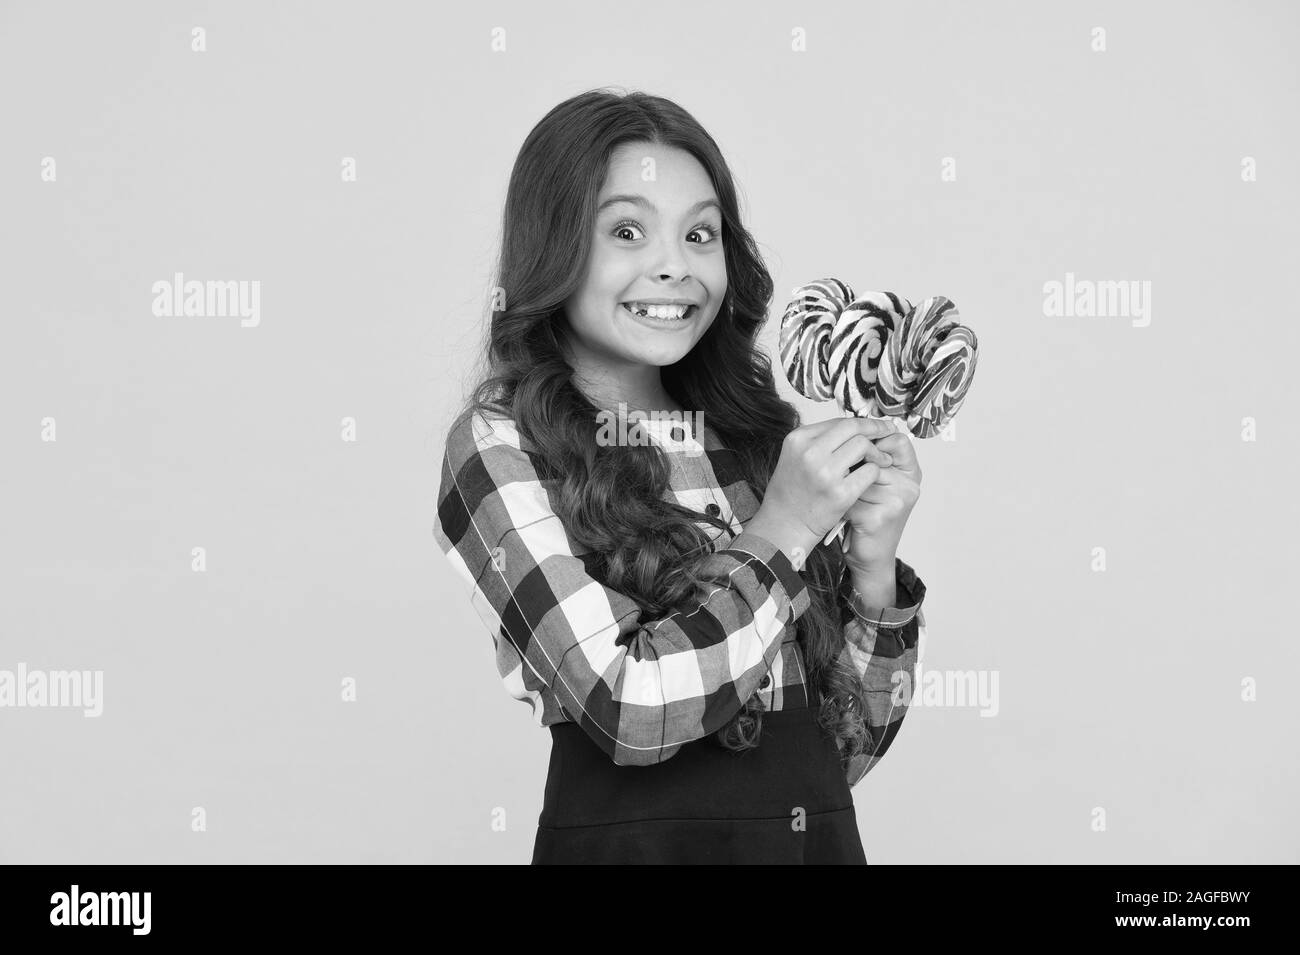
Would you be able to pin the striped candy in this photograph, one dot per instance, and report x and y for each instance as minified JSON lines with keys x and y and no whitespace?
{"x":877,"y":355}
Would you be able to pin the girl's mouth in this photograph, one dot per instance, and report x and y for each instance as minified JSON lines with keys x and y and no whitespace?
{"x":660,"y":314}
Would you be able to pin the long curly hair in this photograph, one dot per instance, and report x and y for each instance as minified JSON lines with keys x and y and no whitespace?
{"x":611,"y":498}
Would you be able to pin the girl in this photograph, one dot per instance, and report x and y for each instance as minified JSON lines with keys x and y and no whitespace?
{"x":714,"y":677}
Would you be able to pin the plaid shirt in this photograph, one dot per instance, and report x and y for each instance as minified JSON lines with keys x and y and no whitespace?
{"x":578,"y":650}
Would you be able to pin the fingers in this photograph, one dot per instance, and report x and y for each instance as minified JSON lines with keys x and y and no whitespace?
{"x":896,"y":476}
{"x":828,"y":435}
{"x":900,"y":448}
{"x":877,"y":494}
{"x":848,"y":442}
{"x":860,"y":480}
{"x":857,"y":449}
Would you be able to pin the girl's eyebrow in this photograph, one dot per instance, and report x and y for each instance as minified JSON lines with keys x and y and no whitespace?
{"x":638,"y":200}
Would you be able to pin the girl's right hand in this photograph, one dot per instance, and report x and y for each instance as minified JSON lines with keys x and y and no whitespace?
{"x":812,"y":486}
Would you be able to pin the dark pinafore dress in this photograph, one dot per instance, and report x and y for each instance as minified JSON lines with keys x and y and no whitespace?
{"x":785,"y":802}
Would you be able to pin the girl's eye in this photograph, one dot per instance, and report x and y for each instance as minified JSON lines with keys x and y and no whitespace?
{"x":713,"y":233}
{"x":628,"y":224}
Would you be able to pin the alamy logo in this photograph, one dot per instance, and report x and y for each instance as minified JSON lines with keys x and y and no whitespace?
{"x":102,"y":908}
{"x":211,"y":299}
{"x":619,"y":429}
{"x":1088,"y":299}
{"x":958,"y":688}
{"x":23,"y":687}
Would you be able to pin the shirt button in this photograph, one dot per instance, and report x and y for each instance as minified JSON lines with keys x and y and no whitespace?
{"x":678,"y":434}
{"x":713,"y":510}
{"x":764,"y":683}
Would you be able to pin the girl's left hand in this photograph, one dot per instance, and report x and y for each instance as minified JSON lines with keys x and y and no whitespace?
{"x":877,"y":519}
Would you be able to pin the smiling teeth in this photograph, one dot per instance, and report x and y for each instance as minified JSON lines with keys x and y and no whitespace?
{"x":656,"y":311}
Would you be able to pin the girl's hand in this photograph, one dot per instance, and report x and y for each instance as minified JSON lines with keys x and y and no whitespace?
{"x":877,"y":518}
{"x":820,"y":474}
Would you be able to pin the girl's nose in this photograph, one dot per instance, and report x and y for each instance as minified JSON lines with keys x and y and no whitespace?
{"x":672,"y":263}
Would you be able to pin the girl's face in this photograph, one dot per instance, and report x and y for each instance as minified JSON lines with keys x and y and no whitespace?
{"x":658,"y":240}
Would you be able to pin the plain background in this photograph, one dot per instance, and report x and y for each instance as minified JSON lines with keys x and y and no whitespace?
{"x":1120,"y":690}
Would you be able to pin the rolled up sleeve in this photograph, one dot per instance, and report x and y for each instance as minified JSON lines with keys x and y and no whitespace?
{"x":882,"y":645}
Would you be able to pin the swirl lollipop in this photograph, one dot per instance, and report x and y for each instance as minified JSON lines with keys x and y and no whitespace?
{"x":806,"y":331}
{"x":877,"y":355}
